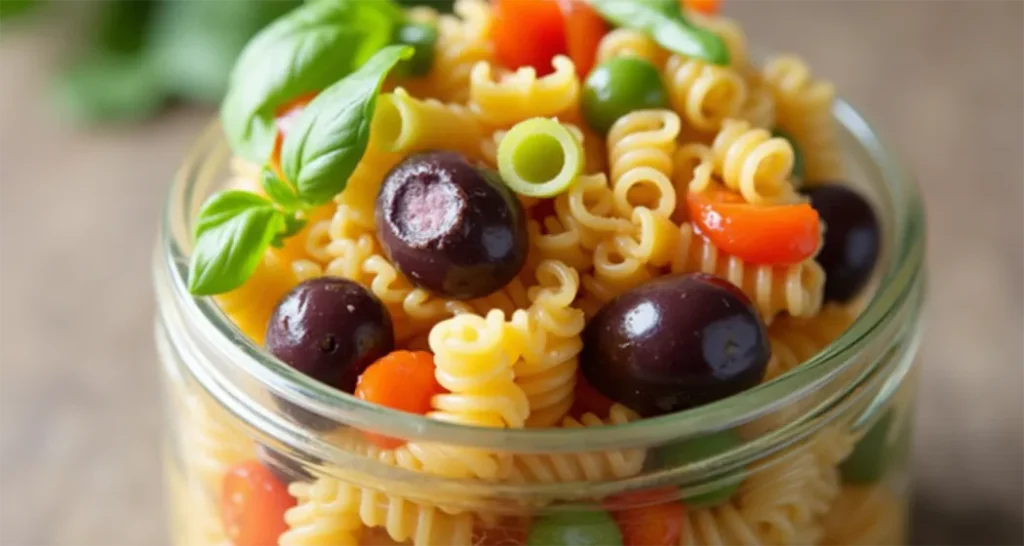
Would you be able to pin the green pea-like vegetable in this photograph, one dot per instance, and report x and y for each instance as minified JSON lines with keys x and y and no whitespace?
{"x":798,"y":154}
{"x":870,"y":457}
{"x":697,"y":449}
{"x":583,"y":528}
{"x":619,"y":86}
{"x":422,"y":37}
{"x":539,"y":157}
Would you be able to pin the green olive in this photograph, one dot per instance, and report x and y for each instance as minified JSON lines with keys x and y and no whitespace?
{"x":577,"y":528}
{"x":421,"y":36}
{"x":870,"y":457}
{"x":697,"y":449}
{"x":798,"y":154}
{"x":619,"y":86}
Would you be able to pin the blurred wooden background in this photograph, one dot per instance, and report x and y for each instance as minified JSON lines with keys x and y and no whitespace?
{"x":79,"y":421}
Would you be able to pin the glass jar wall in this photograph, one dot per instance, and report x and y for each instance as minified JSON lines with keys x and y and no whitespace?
{"x":817,"y":455}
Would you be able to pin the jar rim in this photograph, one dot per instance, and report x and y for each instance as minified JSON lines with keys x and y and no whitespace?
{"x":896,"y":283}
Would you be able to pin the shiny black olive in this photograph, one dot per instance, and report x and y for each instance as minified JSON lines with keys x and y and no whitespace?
{"x":450,"y":227}
{"x":675,"y":343}
{"x":852,"y":240}
{"x":330,"y":329}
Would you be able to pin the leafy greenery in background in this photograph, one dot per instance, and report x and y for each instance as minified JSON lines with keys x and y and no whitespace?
{"x":140,"y":54}
{"x":14,"y":8}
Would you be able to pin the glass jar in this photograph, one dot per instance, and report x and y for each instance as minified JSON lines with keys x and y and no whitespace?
{"x":815,"y":455}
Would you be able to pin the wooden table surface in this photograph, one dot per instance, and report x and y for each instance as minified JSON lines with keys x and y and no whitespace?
{"x":79,"y":420}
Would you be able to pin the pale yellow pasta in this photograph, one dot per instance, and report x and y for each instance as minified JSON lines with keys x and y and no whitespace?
{"x":641,"y":145}
{"x":795,"y":340}
{"x":804,"y":110}
{"x":866,"y":516}
{"x":504,"y":99}
{"x":781,"y":503}
{"x":628,"y":258}
{"x":591,"y":210}
{"x":463,"y":39}
{"x":404,"y":124}
{"x":474,"y":363}
{"x":212,"y":443}
{"x":730,"y":33}
{"x":625,"y":42}
{"x":332,"y":512}
{"x":548,"y":336}
{"x":759,"y":108}
{"x":694,"y":168}
{"x":754,"y":163}
{"x":579,"y":467}
{"x":704,"y":94}
{"x":796,"y":289}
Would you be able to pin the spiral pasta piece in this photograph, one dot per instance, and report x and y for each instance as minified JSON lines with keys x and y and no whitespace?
{"x":795,"y":340}
{"x":796,"y":289}
{"x":214,"y":445}
{"x":577,"y":467}
{"x":406,"y":125}
{"x":330,"y":511}
{"x":474,"y":362}
{"x":752,"y":162}
{"x":641,"y":145}
{"x":463,"y":39}
{"x":780,"y":504}
{"x":864,"y":516}
{"x":589,"y":207}
{"x":625,"y":42}
{"x":804,"y":110}
{"x":549,"y":337}
{"x":522,"y":94}
{"x":759,"y":107}
{"x":704,"y":94}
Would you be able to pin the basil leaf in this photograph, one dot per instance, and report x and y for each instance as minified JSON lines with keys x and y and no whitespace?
{"x":331,"y":135}
{"x":302,"y":52}
{"x":232,"y":232}
{"x":292,"y":225}
{"x":664,"y":21}
{"x":279,"y":191}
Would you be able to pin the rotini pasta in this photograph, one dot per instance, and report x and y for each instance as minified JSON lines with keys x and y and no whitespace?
{"x":549,"y":338}
{"x":576,"y":467}
{"x":795,"y":289}
{"x":754,"y":163}
{"x":333,"y":512}
{"x":463,"y":40}
{"x":804,"y":110}
{"x":795,"y":340}
{"x":780,"y":504}
{"x":641,"y":146}
{"x":521,"y":95}
{"x":704,"y":94}
{"x":622,"y":42}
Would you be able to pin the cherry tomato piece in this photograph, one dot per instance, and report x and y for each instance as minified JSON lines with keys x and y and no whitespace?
{"x":253,"y":503}
{"x":772,"y":235}
{"x":528,"y":33}
{"x":584,"y":29}
{"x":402,"y":380}
{"x":649,"y":518}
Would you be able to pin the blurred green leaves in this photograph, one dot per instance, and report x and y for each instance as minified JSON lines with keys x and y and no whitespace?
{"x":13,"y":8}
{"x":139,"y":55}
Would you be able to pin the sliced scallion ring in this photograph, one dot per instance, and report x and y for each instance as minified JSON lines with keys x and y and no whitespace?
{"x":540,"y":157}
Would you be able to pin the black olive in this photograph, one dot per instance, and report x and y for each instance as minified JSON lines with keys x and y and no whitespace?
{"x":852,"y":240}
{"x":330,"y":329}
{"x":674,"y":343}
{"x":450,"y":227}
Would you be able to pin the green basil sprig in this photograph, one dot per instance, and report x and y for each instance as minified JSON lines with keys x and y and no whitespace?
{"x":234,"y":228}
{"x":665,"y":22}
{"x":305,"y":51}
